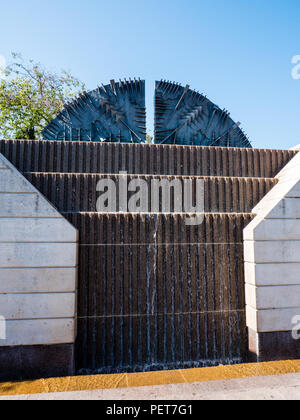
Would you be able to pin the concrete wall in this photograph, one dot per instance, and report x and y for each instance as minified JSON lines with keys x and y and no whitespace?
{"x":272,"y":268}
{"x":38,"y":259}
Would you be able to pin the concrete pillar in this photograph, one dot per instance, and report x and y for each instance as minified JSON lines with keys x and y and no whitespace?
{"x":38,"y":269}
{"x":272,"y":270}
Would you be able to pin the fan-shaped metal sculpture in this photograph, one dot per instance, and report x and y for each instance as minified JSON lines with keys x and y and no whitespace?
{"x":183,"y":116}
{"x":117,"y":113}
{"x":114,"y":113}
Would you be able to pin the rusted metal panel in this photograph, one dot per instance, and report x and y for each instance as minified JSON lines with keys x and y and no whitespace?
{"x":110,"y":158}
{"x":154,"y":293}
{"x":77,"y":192}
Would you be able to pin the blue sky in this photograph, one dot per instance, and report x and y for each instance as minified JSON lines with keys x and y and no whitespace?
{"x":237,"y":52}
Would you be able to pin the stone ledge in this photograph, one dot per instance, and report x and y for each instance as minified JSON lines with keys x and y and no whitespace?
{"x":271,"y":320}
{"x":270,"y":297}
{"x":272,"y":274}
{"x":275,"y":251}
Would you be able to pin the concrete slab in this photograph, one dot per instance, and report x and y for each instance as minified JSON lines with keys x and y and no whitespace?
{"x":30,"y":255}
{"x":37,"y":306}
{"x":38,"y":332}
{"x":272,"y":251}
{"x":279,"y":297}
{"x":275,"y":230}
{"x":39,"y":230}
{"x":25,"y":205}
{"x":271,"y":320}
{"x":272,"y":274}
{"x":37,"y":280}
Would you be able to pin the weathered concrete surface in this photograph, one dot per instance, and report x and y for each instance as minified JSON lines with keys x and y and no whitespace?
{"x":35,"y":254}
{"x":276,"y":251}
{"x":271,"y":320}
{"x":272,"y":274}
{"x":280,"y":297}
{"x":37,"y":306}
{"x":32,"y":332}
{"x":36,"y":230}
{"x":25,"y":204}
{"x":33,"y":280}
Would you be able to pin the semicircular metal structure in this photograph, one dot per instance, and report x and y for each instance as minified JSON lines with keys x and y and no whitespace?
{"x":117,"y":113}
{"x":113,"y":113}
{"x":184,"y":116}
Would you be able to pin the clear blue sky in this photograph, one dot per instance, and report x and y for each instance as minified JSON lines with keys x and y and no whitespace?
{"x":238,"y":52}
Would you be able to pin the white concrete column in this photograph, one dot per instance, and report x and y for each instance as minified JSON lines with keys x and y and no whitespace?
{"x":272,"y":267}
{"x":38,"y":264}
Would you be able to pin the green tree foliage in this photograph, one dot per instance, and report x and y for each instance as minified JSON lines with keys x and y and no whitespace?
{"x":30,"y":97}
